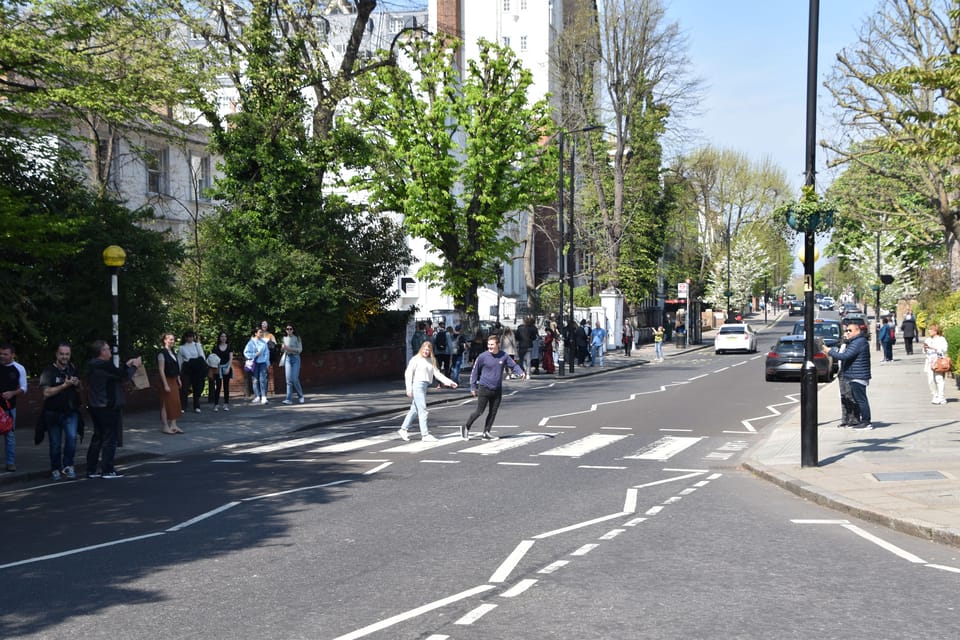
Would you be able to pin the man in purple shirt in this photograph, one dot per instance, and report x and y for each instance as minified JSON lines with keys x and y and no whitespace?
{"x":486,"y":384}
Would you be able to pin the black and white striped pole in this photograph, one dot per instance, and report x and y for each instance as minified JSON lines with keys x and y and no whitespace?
{"x":114,"y":257}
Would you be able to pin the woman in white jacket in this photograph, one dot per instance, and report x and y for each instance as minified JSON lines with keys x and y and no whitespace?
{"x":421,"y":370}
{"x":934,"y":346}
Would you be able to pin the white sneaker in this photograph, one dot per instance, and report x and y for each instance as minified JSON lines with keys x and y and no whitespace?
{"x":287,"y":402}
{"x":302,"y":399}
{"x":429,"y":438}
{"x":263,"y":400}
{"x":226,"y":407}
{"x":404,"y":435}
{"x":216,"y":408}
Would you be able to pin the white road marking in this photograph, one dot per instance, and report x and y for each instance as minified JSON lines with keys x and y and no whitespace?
{"x":702,"y":375}
{"x":596,"y":466}
{"x":686,"y":470}
{"x":688,"y":491}
{"x":298,"y":490}
{"x":554,"y":566}
{"x":652,"y":511}
{"x":672,"y":500}
{"x":617,"y":428}
{"x":702,"y":483}
{"x":518,"y":588}
{"x":943,"y":568}
{"x":584,"y":550}
{"x":232,"y":460}
{"x":802,"y":521}
{"x":630,"y":502}
{"x":680,"y":430}
{"x":897,"y":551}
{"x":580,"y":525}
{"x":476,"y":614}
{"x":507,"y":443}
{"x":377,"y":468}
{"x":666,"y":480}
{"x":583,"y":446}
{"x":520,"y":464}
{"x":413,"y":613}
{"x":440,"y":461}
{"x":353,"y":445}
{"x":437,"y":637}
{"x":62,"y":554}
{"x":510,"y":563}
{"x":296,"y":442}
{"x":367,"y":460}
{"x":610,"y":535}
{"x":634,"y":522}
{"x":203,"y":516}
{"x":721,"y":369}
{"x":665,"y":448}
{"x":418,"y":446}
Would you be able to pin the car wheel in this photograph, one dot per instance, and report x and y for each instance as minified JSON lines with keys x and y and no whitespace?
{"x":770,"y":378}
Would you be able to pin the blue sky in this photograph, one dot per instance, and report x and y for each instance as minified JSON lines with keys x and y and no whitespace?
{"x":752,"y":58}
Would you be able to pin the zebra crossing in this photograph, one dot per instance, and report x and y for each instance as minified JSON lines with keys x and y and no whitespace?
{"x":565,"y":445}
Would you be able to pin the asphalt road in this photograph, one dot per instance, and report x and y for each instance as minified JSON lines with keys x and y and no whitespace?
{"x":611,"y":508}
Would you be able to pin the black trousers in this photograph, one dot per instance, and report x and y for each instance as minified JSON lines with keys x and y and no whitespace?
{"x":486,"y":399}
{"x":106,"y":434}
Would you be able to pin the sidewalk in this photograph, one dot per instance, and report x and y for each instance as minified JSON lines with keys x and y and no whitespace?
{"x":246,"y":422}
{"x":904,"y":474}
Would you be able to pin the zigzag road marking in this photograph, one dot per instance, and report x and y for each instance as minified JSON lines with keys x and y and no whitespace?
{"x":793,"y":398}
{"x":594,"y":407}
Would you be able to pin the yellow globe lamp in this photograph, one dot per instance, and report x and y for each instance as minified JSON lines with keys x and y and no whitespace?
{"x":114,"y":256}
{"x":816,"y":255}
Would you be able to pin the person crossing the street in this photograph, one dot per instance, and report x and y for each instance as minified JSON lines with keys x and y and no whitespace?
{"x":486,"y":384}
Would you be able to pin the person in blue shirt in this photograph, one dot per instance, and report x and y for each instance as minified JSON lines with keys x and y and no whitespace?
{"x":486,"y":384}
{"x":598,"y":341}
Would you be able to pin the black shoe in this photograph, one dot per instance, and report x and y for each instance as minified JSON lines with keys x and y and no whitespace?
{"x":464,"y":433}
{"x":489,"y":436}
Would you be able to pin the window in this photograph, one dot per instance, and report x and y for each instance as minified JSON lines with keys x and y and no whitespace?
{"x":523,"y":43}
{"x":506,"y":5}
{"x":523,"y":5}
{"x":201,"y":166}
{"x":156,"y":162}
{"x":396,"y":25}
{"x":506,"y":41}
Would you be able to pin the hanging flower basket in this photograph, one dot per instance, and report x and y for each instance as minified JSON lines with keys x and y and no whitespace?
{"x":809,"y":214}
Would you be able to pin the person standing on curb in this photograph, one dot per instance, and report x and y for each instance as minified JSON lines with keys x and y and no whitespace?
{"x":292,"y":348}
{"x":258,"y":351}
{"x":856,"y":369}
{"x":908,"y":329}
{"x":627,"y":337}
{"x":486,"y":384}
{"x":934,"y":346}
{"x":105,"y":398}
{"x":193,"y":370}
{"x":13,"y":383}
{"x":460,"y":346}
{"x":221,"y":382}
{"x":61,"y":412}
{"x":598,"y":342}
{"x":658,"y":343}
{"x":886,"y":339}
{"x":849,"y":410}
{"x":169,"y":367}
{"x":421,"y":370}
{"x":526,"y":334}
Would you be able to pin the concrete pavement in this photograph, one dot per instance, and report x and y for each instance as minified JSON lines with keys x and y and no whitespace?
{"x":904,"y":474}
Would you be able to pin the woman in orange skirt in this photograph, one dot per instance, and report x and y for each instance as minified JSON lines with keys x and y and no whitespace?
{"x":170,"y":392}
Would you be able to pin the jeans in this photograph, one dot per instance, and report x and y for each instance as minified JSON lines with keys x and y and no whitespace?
{"x":887,"y":350}
{"x":486,"y":397}
{"x":106,"y":432}
{"x":658,"y":346}
{"x":598,"y":350}
{"x":292,"y":370}
{"x":58,"y":426}
{"x":10,"y":439}
{"x":859,"y":392}
{"x":259,"y":379}
{"x":456,"y":364}
{"x":418,"y":408}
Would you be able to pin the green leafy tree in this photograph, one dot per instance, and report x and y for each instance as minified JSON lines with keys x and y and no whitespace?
{"x":281,"y":248}
{"x":456,"y":156}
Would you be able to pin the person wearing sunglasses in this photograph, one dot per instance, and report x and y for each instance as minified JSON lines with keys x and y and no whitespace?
{"x":292,"y":348}
{"x":855,"y":369}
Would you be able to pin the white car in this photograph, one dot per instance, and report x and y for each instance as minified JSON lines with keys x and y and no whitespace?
{"x":735,"y":337}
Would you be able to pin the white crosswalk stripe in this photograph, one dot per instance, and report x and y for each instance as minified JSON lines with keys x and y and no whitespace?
{"x":508,"y":442}
{"x":296,"y":442}
{"x":583,"y":446}
{"x":416,"y":446}
{"x":362,"y":443}
{"x":664,"y":448}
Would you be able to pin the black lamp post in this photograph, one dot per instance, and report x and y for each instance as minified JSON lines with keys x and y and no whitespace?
{"x":566,"y":248}
{"x":114,"y":257}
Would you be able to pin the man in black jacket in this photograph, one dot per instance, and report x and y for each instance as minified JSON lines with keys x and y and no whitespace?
{"x":856,"y":368}
{"x":106,"y":400}
{"x":61,"y":412}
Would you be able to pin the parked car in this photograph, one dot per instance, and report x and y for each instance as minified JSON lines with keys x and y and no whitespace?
{"x":827,"y":303}
{"x":796,"y":307}
{"x":785,"y":359}
{"x":830,"y":331}
{"x":735,"y":337}
{"x":848,"y":307}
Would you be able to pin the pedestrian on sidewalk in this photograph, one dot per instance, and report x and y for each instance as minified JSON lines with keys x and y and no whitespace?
{"x":61,"y":412}
{"x":224,"y":374}
{"x":598,"y":341}
{"x":855,"y":359}
{"x":460,"y":347}
{"x":258,"y":351}
{"x":486,"y":384}
{"x":169,"y":368}
{"x":549,"y":338}
{"x":13,"y":383}
{"x":849,"y":409}
{"x":887,"y":339}
{"x":508,"y":343}
{"x":627,"y":337}
{"x":526,"y":335}
{"x":420,"y":372}
{"x":658,"y":343}
{"x":292,"y":348}
{"x":908,"y":329}
{"x":934,"y":346}
{"x":193,"y":370}
{"x":106,"y":400}
{"x":443,"y":347}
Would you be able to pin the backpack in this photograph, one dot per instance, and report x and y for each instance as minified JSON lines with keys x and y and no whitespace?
{"x":440,"y":345}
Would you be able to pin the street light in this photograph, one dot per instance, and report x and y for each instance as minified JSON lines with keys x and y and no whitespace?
{"x":564,"y":254}
{"x":114,"y":257}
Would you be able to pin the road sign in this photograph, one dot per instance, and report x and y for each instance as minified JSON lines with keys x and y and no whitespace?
{"x":682,"y":289}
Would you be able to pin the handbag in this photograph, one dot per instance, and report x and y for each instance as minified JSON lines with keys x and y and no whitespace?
{"x":283,"y":360}
{"x":248,"y":365}
{"x":6,"y":420}
{"x":942,"y":364}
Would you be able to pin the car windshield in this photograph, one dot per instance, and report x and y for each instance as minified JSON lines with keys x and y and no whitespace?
{"x":826,"y":330}
{"x":732,"y":329}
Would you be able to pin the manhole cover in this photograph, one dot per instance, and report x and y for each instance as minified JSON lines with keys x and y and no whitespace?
{"x":900,"y":476}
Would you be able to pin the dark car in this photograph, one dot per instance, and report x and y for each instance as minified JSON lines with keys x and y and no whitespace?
{"x":796,"y":307}
{"x":847,"y":308}
{"x":785,"y":359}
{"x":830,"y":331}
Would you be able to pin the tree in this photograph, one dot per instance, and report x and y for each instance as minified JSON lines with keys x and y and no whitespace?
{"x":623,"y":65}
{"x":749,"y":264}
{"x":898,"y":91}
{"x":456,"y":156}
{"x":281,"y":247}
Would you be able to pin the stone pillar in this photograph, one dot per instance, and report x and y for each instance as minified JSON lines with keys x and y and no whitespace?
{"x":612,"y":302}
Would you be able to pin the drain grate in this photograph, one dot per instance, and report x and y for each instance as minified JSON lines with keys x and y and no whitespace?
{"x":900,"y":476}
